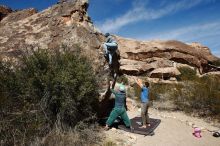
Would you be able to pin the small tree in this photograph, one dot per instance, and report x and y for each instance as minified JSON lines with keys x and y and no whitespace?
{"x":48,"y":87}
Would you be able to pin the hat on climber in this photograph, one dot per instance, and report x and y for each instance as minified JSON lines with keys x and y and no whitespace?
{"x":107,"y":34}
{"x":122,"y":88}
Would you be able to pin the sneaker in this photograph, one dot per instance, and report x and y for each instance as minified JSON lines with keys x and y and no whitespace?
{"x":115,"y":75}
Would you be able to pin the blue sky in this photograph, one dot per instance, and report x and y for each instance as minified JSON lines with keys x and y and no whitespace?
{"x":184,"y":20}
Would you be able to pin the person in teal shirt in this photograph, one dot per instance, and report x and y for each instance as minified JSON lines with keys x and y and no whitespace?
{"x":110,"y":47}
{"x":144,"y":102}
{"x":119,"y":108}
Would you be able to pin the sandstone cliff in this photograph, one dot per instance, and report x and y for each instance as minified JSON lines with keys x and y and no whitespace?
{"x":138,"y":57}
{"x":4,"y":11}
{"x":67,"y":23}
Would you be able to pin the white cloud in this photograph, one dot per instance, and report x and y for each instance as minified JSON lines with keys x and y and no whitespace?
{"x":141,"y":12}
{"x":206,"y":33}
{"x":188,"y":33}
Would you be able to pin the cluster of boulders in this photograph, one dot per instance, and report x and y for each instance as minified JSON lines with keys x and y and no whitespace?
{"x":160,"y":59}
{"x":67,"y":24}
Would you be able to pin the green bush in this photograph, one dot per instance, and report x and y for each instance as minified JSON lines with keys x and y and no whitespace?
{"x":200,"y":96}
{"x":123,"y":79}
{"x":158,"y":90}
{"x":216,"y":62}
{"x":47,"y":88}
{"x":186,"y":74}
{"x":81,"y":135}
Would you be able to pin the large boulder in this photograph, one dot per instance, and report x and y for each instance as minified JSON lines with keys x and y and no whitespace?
{"x":68,"y":24}
{"x":140,"y":57}
{"x":64,"y":24}
{"x":166,"y":72}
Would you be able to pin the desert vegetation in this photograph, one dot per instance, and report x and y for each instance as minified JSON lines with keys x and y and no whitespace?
{"x":216,"y":62}
{"x":192,"y":94}
{"x":49,"y":93}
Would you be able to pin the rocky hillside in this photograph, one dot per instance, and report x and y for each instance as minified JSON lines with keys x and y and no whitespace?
{"x":140,"y":57}
{"x":67,"y":23}
{"x":4,"y":11}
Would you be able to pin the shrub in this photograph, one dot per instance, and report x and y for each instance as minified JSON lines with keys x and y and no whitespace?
{"x":123,"y":79}
{"x":81,"y":135}
{"x":186,"y":74}
{"x":216,"y":62}
{"x":46,"y":88}
{"x":137,"y":91}
{"x":157,"y":90}
{"x":200,"y":96}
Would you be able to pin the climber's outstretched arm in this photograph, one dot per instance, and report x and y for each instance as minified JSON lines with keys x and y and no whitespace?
{"x":138,"y":81}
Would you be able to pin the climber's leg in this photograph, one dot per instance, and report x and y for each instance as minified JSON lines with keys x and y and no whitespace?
{"x":110,"y":48}
{"x":105,"y":47}
{"x":110,"y":58}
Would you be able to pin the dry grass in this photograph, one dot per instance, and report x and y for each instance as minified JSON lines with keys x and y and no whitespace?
{"x":81,"y":135}
{"x":200,"y":96}
{"x":109,"y":143}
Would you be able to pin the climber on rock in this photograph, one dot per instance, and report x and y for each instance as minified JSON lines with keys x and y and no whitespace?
{"x":110,"y":47}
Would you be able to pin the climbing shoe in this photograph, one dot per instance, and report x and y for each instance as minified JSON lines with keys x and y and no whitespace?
{"x":115,"y":75}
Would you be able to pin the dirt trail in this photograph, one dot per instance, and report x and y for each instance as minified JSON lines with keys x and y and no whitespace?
{"x":175,"y":129}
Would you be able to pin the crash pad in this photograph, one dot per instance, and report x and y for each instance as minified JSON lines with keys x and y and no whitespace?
{"x":136,"y":123}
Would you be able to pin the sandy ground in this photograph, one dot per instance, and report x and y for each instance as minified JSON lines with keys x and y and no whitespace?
{"x":175,"y":129}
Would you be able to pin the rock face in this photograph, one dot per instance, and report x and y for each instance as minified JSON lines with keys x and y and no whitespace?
{"x":68,"y":24}
{"x":143,"y":57}
{"x":19,"y":15}
{"x":4,"y":11}
{"x":64,"y":24}
{"x":165,"y":72}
